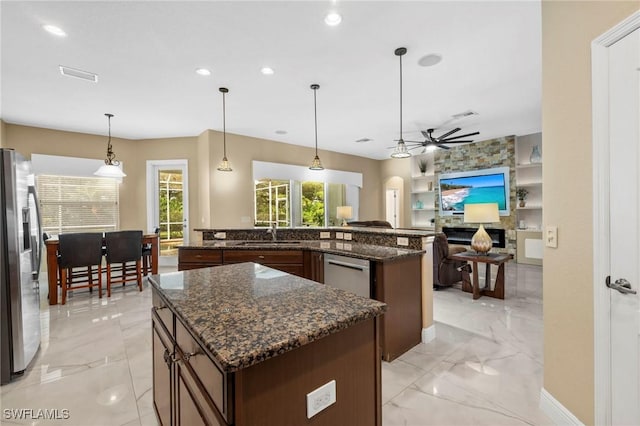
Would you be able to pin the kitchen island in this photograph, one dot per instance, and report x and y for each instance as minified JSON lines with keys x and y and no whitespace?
{"x":244,"y":344}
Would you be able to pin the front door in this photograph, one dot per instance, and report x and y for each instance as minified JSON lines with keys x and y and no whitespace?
{"x":167,"y":206}
{"x":624,"y":224}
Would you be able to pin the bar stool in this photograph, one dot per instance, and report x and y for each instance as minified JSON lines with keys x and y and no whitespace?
{"x":82,"y":250}
{"x":146,"y":255}
{"x":124,"y":249}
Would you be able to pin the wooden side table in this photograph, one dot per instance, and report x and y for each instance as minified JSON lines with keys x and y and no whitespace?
{"x":488,"y":259}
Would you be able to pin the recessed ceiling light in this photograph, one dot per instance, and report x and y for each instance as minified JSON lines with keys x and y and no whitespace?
{"x":203,"y":71}
{"x":281,"y":132}
{"x":430,"y":60}
{"x":52,"y":29}
{"x":267,"y":70}
{"x":332,"y":19}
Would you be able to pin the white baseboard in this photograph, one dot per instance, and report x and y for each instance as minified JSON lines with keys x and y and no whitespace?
{"x":557,"y":412}
{"x":429,"y":333}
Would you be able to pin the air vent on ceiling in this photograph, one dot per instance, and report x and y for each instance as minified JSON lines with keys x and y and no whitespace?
{"x":83,"y":75}
{"x":464,"y":114}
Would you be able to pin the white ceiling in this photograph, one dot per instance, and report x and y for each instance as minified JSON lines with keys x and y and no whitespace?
{"x":145,"y":54}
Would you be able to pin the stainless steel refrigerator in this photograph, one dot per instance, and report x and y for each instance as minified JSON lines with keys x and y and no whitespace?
{"x":20,"y":255}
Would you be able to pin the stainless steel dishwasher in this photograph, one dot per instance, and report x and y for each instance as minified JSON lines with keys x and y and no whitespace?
{"x":347,"y":273}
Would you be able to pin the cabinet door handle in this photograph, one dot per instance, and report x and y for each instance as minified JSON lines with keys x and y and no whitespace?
{"x":188,"y":355}
{"x":169,"y":358}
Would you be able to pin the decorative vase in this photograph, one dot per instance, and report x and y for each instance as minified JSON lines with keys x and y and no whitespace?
{"x":522,"y":203}
{"x":419,"y":204}
{"x":535,"y":156}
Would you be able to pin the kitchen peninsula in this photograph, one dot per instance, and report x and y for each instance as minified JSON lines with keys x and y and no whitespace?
{"x":244,"y":344}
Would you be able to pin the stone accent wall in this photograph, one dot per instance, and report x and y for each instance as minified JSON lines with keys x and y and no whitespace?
{"x":476,"y":156}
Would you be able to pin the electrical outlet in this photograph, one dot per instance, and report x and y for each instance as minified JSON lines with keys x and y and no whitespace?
{"x":325,"y":245}
{"x":339,"y":235}
{"x":220,"y":235}
{"x":347,"y":246}
{"x":321,"y":398}
{"x":340,"y":246}
{"x":325,"y":235}
{"x":551,"y":237}
{"x":347,"y":236}
{"x":403,"y":241}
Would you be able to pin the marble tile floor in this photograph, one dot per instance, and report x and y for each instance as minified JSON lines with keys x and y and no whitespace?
{"x":483,"y":368}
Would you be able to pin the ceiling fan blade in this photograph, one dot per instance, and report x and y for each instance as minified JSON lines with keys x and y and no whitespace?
{"x":461,"y":136}
{"x":414,"y":147}
{"x":466,"y":141}
{"x":425,"y":133}
{"x":420,"y":142}
{"x":457,"y":129}
{"x":442,"y":146}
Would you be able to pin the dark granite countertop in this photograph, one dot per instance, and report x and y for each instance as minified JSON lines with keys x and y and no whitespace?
{"x":346,"y":248}
{"x":246,"y":313}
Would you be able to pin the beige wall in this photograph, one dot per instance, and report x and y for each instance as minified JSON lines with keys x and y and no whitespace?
{"x":567,"y":30}
{"x":2,"y":133}
{"x":216,"y":199}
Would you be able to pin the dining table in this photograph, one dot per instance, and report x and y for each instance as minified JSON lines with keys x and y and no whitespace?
{"x":52,"y":245}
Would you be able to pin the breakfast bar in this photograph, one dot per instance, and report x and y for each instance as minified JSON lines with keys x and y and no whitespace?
{"x":246,"y":344}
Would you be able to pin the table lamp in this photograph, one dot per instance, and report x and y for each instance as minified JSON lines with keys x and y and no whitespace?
{"x":481,"y":213}
{"x":344,"y":213}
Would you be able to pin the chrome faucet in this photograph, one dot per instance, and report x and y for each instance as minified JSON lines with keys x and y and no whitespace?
{"x":273,"y":230}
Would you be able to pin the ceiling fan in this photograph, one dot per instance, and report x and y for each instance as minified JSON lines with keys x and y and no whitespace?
{"x":439,"y":141}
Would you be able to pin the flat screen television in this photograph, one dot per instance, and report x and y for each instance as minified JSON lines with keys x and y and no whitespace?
{"x":472,"y":187}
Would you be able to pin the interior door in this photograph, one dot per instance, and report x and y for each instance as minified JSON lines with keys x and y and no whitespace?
{"x":392,"y":207}
{"x":624,"y":140}
{"x":167,"y":206}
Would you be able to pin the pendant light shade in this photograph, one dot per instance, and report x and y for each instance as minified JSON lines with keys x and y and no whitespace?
{"x":400,"y":150}
{"x":110,"y":168}
{"x":315,"y":164}
{"x":224,"y":164}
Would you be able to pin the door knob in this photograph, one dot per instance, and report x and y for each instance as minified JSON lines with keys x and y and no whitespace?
{"x":621,"y":284}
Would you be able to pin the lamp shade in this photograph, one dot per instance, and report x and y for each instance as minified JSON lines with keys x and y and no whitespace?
{"x":110,"y":171}
{"x":481,"y":213}
{"x":344,"y":213}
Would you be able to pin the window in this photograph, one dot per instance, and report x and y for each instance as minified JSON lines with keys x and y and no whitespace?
{"x":272,"y":201}
{"x":293,"y":203}
{"x":78,"y":204}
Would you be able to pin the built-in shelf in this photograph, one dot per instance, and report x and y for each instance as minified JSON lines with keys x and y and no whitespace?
{"x":426,"y":176}
{"x":423,"y":192}
{"x":424,"y":209}
{"x":529,"y":183}
{"x":528,"y":165}
{"x":529,"y":217}
{"x":534,"y":207}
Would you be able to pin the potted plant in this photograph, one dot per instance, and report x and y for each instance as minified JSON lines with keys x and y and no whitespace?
{"x":522,"y":193}
{"x":422,"y":165}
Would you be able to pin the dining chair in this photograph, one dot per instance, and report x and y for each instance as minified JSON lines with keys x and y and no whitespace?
{"x":81,"y":250}
{"x":123,"y":257}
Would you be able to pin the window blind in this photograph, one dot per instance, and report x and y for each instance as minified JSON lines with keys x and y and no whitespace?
{"x":78,"y":204}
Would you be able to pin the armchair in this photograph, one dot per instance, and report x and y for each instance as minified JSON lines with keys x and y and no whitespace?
{"x":446,"y":271}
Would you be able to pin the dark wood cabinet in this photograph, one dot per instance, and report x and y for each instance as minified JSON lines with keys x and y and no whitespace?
{"x":314,"y":266}
{"x":398,"y":284}
{"x":192,"y":258}
{"x":290,"y":261}
{"x":190,"y":389}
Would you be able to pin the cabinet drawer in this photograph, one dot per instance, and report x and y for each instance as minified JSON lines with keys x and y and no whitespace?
{"x":163,"y":313}
{"x":206,"y":256}
{"x":212,"y":379}
{"x":288,"y":268}
{"x":263,"y":256}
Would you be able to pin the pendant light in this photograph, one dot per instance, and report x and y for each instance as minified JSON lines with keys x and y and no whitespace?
{"x":315,"y":164}
{"x":110,"y":167}
{"x":400,"y":150}
{"x":224,"y":164}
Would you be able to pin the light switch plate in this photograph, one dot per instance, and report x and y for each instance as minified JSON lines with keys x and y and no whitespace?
{"x":551,"y":236}
{"x":403,"y":241}
{"x":321,"y":398}
{"x":324,"y":235}
{"x":339,"y":235}
{"x":347,"y":236}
